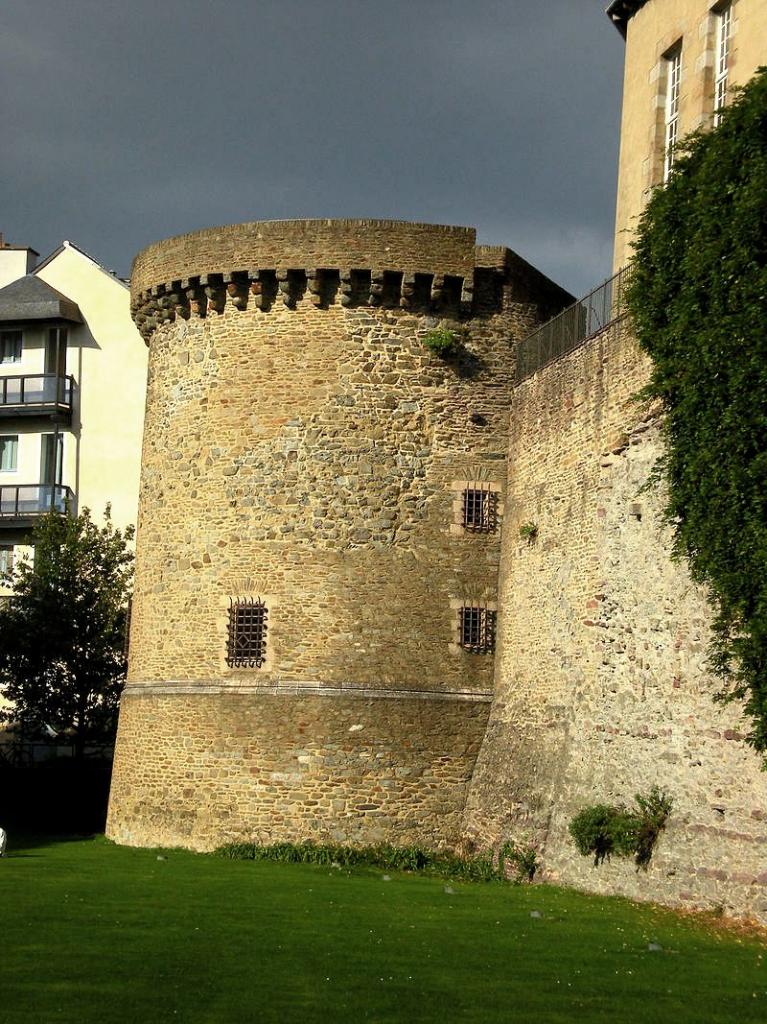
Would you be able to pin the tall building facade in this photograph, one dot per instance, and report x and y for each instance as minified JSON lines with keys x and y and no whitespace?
{"x":72,"y":388}
{"x":683,"y":60}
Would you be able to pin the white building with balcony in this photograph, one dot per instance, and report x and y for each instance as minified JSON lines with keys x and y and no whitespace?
{"x":72,"y":383}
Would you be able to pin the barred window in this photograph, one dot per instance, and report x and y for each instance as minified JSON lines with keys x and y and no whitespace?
{"x":480,"y":509}
{"x":477,"y":629}
{"x":246,"y":644}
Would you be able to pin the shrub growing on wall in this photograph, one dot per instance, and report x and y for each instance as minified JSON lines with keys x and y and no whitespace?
{"x":444,"y":342}
{"x":606,"y":830}
{"x":698,"y":299}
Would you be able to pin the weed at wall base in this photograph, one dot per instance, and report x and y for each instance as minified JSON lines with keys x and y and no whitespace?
{"x":518,"y":862}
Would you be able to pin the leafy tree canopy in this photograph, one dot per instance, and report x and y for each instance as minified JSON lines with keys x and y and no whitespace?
{"x":698,"y":299}
{"x":62,"y":660}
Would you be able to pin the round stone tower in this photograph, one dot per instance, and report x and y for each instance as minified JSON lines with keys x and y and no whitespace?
{"x":311,"y":651}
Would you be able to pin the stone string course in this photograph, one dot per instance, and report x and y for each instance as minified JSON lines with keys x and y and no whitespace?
{"x":601,"y":684}
{"x":308,"y":452}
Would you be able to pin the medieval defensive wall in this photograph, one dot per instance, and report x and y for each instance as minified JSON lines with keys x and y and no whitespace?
{"x":306,"y":453}
{"x":303,"y":447}
{"x":602,"y":687}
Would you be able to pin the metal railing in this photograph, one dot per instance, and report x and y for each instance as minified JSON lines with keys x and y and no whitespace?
{"x":574,"y":325}
{"x":20,"y":501}
{"x":36,"y":389}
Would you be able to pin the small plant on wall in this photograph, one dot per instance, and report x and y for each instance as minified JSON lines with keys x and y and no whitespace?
{"x":607,"y":830}
{"x":529,"y":532}
{"x":444,"y":342}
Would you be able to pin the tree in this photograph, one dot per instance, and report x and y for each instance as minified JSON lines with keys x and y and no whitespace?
{"x":697,"y":299}
{"x":62,"y":632}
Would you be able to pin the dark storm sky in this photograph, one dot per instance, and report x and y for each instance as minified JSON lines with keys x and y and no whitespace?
{"x":127,"y":122}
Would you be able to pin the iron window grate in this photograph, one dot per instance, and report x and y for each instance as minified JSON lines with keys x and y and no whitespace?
{"x":480,"y":509}
{"x":477,"y":629}
{"x":246,"y":644}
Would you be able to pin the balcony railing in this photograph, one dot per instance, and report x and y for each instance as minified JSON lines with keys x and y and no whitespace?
{"x":21,"y":504}
{"x":574,"y":325}
{"x":33,"y":394}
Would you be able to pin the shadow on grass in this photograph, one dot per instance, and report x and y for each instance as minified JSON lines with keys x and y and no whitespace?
{"x":20,"y":844}
{"x":57,"y":798}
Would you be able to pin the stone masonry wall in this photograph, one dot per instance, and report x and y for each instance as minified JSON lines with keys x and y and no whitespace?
{"x":601,"y":685}
{"x":303,"y":446}
{"x":390,"y":244}
{"x":199,"y":769}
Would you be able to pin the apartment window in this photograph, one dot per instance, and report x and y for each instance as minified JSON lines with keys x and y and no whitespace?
{"x":9,"y":453}
{"x":56,"y":351}
{"x":6,"y":559}
{"x":476,"y":627}
{"x":10,"y":346}
{"x":51,"y":459}
{"x":723,"y":36}
{"x":673,"y":71}
{"x":246,"y":643}
{"x":480,"y":509}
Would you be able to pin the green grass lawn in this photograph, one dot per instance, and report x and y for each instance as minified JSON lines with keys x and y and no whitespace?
{"x":94,"y":932}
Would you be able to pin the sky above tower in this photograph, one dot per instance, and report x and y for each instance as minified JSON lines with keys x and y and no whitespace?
{"x":127,"y":123}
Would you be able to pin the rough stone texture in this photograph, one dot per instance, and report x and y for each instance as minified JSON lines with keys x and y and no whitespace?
{"x":601,"y":684}
{"x":201,"y":769}
{"x":389,"y":244}
{"x":302,"y":445}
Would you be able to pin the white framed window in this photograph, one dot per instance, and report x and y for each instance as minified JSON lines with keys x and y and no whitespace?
{"x":723,"y":15}
{"x":673,"y":75}
{"x":10,"y":346}
{"x":51,"y":458}
{"x":9,"y":453}
{"x":6,"y":559}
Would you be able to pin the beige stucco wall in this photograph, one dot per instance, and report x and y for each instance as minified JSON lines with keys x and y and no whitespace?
{"x":108,"y":359}
{"x":15,"y":262}
{"x":652,"y":32}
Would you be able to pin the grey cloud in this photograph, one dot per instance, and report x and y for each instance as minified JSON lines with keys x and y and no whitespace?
{"x":132,"y":122}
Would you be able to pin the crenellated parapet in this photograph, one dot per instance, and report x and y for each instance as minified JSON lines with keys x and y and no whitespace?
{"x":260,"y":289}
{"x":423,"y":268}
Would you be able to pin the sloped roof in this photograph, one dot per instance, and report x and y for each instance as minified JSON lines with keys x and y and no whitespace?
{"x":86,"y":255}
{"x":620,"y":11}
{"x":30,"y":298}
